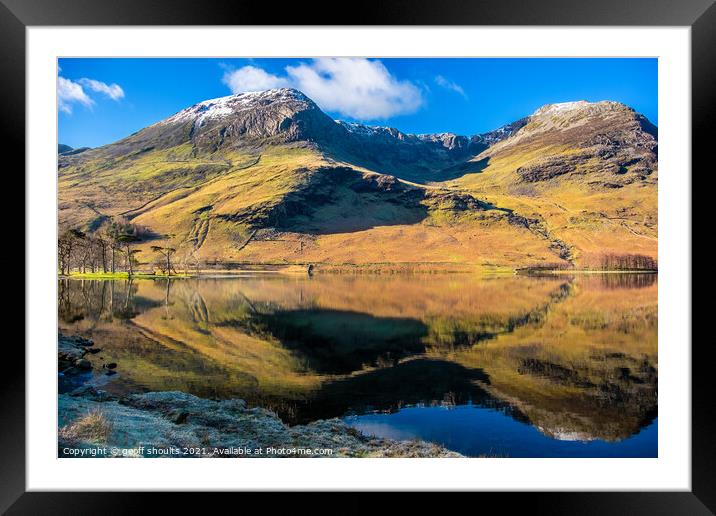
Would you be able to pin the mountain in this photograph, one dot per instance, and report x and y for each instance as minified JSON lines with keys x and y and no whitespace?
{"x":418,"y":157}
{"x":66,"y":150}
{"x":282,"y":116}
{"x":603,"y":143}
{"x":268,"y":177}
{"x":274,"y":116}
{"x":587,"y":170}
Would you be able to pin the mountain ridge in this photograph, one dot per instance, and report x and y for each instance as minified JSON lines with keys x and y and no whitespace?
{"x":224,"y":175}
{"x":293,"y":103}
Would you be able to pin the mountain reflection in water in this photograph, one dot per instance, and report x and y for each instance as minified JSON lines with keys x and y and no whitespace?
{"x":568,"y":359}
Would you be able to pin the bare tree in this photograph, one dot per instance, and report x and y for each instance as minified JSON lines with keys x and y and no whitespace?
{"x":80,"y":250}
{"x":166,"y":253}
{"x":115,"y":246}
{"x":611,"y":261}
{"x":102,"y":245}
{"x":127,"y":248}
{"x":67,"y":244}
{"x":98,"y":251}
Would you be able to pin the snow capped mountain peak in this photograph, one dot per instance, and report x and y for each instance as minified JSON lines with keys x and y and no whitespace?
{"x":562,"y":106}
{"x":581,"y":106}
{"x":288,"y":115}
{"x":290,"y":100}
{"x":230,"y":105}
{"x":276,"y":94}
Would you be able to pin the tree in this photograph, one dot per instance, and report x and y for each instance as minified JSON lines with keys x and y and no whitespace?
{"x":112,"y":235}
{"x":69,"y":245}
{"x":611,"y":261}
{"x":167,"y":253}
{"x":65,"y":246}
{"x":126,"y":242}
{"x":97,"y":251}
{"x":103,"y":243}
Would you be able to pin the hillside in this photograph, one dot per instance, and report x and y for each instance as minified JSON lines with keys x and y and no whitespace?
{"x":267,"y":177}
{"x":588,"y":170}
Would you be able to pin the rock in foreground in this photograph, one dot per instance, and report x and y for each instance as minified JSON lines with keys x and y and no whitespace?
{"x":176,"y":424}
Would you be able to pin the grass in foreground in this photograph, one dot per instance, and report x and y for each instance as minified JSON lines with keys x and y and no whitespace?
{"x":94,"y":428}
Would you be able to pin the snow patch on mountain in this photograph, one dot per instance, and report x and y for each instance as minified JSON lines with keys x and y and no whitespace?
{"x":581,"y":106}
{"x":436,"y":136}
{"x":563,"y":106}
{"x":365,"y":130}
{"x":224,"y":107}
{"x":244,"y":104}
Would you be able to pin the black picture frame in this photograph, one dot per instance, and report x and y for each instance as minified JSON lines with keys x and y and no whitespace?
{"x":700,"y":15}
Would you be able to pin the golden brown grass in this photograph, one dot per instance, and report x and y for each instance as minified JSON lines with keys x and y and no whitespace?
{"x":192,"y":205}
{"x":94,"y":427}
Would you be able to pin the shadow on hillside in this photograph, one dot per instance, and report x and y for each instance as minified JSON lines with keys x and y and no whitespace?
{"x":459,"y":170}
{"x":344,"y":200}
{"x":419,"y":164}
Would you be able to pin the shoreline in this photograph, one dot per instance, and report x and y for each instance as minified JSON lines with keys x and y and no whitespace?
{"x":172,"y":424}
{"x":175,"y":424}
{"x":354,"y":269}
{"x":536,"y":272}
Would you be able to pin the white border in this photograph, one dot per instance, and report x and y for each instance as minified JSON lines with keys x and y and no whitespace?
{"x":670,"y":471}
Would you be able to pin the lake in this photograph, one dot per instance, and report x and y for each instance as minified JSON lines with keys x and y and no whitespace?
{"x":515,"y":366}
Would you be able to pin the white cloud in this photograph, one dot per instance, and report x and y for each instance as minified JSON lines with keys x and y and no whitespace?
{"x":113,"y":91}
{"x":251,"y":78}
{"x":450,"y":85}
{"x":71,"y":92}
{"x":355,"y":87}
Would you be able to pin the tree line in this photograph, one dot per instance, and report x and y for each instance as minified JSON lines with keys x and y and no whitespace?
{"x":110,"y":249}
{"x":627,"y":262}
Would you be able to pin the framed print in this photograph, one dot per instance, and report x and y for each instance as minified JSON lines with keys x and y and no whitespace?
{"x":434,"y":250}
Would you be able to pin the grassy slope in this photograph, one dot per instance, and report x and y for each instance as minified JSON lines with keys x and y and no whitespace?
{"x":592,"y":221}
{"x":188,"y":203}
{"x":192,"y":204}
{"x":111,"y":186}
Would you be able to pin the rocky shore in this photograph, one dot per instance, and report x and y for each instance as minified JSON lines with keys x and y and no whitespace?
{"x":71,"y":352}
{"x":92,"y":423}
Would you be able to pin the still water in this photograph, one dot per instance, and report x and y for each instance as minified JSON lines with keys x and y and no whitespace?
{"x":555,"y":366}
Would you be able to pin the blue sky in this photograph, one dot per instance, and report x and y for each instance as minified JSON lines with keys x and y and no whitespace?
{"x":103,"y":100}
